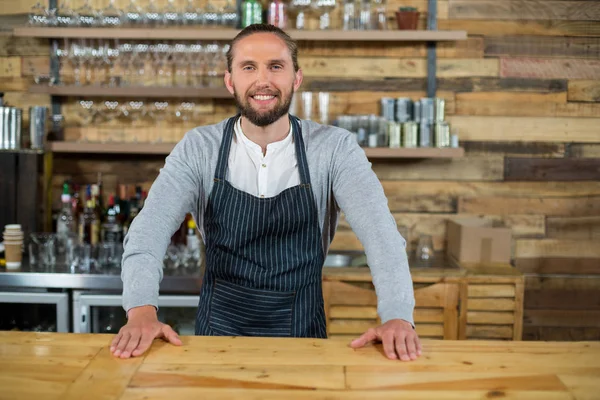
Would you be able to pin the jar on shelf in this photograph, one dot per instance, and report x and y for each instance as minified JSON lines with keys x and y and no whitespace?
{"x":277,"y":14}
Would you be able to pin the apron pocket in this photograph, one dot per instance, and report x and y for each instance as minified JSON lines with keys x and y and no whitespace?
{"x":240,"y":311}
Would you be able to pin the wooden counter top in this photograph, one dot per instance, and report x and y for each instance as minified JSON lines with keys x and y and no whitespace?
{"x":76,"y":366}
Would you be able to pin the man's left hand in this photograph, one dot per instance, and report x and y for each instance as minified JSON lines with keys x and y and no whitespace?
{"x":399,"y":339}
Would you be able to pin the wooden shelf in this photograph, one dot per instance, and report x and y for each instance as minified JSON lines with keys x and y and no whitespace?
{"x":165,"y":148}
{"x":420,"y":152}
{"x":133,"y":91}
{"x":183,"y":33}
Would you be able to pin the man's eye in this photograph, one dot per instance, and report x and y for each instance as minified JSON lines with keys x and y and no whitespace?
{"x":248,"y":68}
{"x":277,"y":66}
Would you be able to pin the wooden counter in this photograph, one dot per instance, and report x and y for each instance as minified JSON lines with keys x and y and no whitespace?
{"x":75,"y":366}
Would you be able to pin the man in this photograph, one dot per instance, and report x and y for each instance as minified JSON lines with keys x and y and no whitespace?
{"x":265,"y":189}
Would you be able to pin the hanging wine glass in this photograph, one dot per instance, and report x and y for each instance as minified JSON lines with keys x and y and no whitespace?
{"x":153,"y":14}
{"x":133,"y":15}
{"x":87,"y":16}
{"x":211,"y":14}
{"x":171,"y":15}
{"x":324,"y":7}
{"x":229,"y":15}
{"x":300,"y":7}
{"x":111,"y":16}
{"x":65,"y":16}
{"x":38,"y":16}
{"x":192,"y":15}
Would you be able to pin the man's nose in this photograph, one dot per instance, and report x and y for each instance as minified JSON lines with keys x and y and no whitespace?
{"x":262,"y":76}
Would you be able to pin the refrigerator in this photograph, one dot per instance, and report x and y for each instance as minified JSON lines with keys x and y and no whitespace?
{"x":101,"y":312}
{"x":37,"y":310}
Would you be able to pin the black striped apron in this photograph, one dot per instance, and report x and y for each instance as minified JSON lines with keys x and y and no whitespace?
{"x":263,"y":257}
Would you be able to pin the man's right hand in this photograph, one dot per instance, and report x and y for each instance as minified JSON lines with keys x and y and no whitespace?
{"x":141,"y":329}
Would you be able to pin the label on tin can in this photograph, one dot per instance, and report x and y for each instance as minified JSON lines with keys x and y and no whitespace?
{"x":394,"y":134}
{"x":425,"y":134}
{"x":410,"y":134}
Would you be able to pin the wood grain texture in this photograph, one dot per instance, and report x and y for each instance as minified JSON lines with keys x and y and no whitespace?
{"x":566,"y":318}
{"x":542,"y":46}
{"x":517,"y":149}
{"x":527,"y":109}
{"x":10,"y":7}
{"x":10,"y":67}
{"x":549,"y":68}
{"x":470,"y":48}
{"x":578,"y":228}
{"x":480,"y":168}
{"x":475,"y":84}
{"x":559,"y":265}
{"x":531,"y":248}
{"x":419,"y":224}
{"x":542,"y":333}
{"x":524,"y":9}
{"x":268,"y":368}
{"x":556,"y":169}
{"x":443,"y":196}
{"x":569,"y":283}
{"x":584,"y":90}
{"x":528,"y":129}
{"x":497,"y":27}
{"x":549,"y":206}
{"x":584,"y":150}
{"x":377,"y":67}
{"x":561,"y":299}
{"x":20,"y":46}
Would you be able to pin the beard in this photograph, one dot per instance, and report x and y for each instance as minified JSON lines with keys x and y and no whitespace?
{"x":267,"y":117}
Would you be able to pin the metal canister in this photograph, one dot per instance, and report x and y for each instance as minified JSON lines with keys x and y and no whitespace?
{"x":4,"y":116}
{"x":425,"y":134}
{"x":440,"y":105}
{"x":388,"y":108}
{"x":11,"y":128}
{"x":410,"y":134}
{"x":38,"y":117}
{"x":427,"y":109}
{"x":404,"y":109}
{"x":416,"y":111}
{"x":442,"y":134}
{"x":394,"y":130}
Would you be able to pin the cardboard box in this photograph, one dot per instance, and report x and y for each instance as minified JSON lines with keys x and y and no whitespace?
{"x":477,"y":240}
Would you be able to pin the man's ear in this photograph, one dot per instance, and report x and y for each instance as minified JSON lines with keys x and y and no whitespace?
{"x":228,"y":81}
{"x":298,"y":79}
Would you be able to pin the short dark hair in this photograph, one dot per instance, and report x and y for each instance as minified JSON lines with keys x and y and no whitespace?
{"x":264,"y":28}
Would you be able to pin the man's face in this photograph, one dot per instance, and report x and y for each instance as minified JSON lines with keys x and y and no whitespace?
{"x":262,"y":78}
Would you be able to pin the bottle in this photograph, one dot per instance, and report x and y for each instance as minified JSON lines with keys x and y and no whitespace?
{"x":112,"y":229}
{"x":277,"y":14}
{"x":133,"y":212}
{"x":89,"y":224}
{"x":251,"y":13}
{"x":193,"y":242}
{"x":66,"y":222}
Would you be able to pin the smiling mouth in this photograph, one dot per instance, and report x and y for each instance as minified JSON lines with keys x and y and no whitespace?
{"x":263,"y":97}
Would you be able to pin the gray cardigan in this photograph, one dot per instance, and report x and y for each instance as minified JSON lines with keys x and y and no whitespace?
{"x":341,"y":178}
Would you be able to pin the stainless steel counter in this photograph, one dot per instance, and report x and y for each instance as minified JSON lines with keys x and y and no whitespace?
{"x":179,"y":281}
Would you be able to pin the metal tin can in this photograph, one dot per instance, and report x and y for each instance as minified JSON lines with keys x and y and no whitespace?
{"x":394,"y":130}
{"x":373,"y":140}
{"x":427,"y":110}
{"x":38,"y":117}
{"x":4,"y":116}
{"x":416,"y":111}
{"x":410,"y":134}
{"x":425,"y":134}
{"x":440,"y":105}
{"x":388,"y":108}
{"x":442,"y":134}
{"x":404,"y":109}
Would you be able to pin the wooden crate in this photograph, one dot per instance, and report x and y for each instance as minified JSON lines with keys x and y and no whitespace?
{"x":351,"y":304}
{"x":494,"y":304}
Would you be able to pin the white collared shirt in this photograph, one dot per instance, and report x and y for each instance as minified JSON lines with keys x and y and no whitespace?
{"x":262,"y":176}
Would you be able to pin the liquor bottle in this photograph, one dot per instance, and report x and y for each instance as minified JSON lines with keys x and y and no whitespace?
{"x":89,"y":224}
{"x":112,"y":229}
{"x":76,"y":206}
{"x":251,"y":13}
{"x":133,"y":212}
{"x":123,"y":204}
{"x":65,"y":222}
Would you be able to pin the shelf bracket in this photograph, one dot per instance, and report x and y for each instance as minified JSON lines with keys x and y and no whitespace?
{"x":431,"y":49}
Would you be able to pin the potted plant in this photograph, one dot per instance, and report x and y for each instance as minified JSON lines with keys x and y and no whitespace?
{"x":407,"y":18}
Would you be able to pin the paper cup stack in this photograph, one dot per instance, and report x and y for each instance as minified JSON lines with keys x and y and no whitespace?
{"x":13,"y":246}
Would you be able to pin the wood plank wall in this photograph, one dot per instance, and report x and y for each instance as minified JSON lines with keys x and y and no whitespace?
{"x":523,"y":92}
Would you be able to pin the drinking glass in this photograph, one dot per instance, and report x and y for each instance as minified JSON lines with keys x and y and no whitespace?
{"x":65,"y":16}
{"x":171,"y":15}
{"x":42,"y":250}
{"x":153,"y":16}
{"x":133,"y":15}
{"x":229,"y":15}
{"x":425,"y":251}
{"x":38,"y":16}
{"x":192,"y":15}
{"x":307,"y":98}
{"x":379,"y":20}
{"x":87,"y":16}
{"x":324,"y":108}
